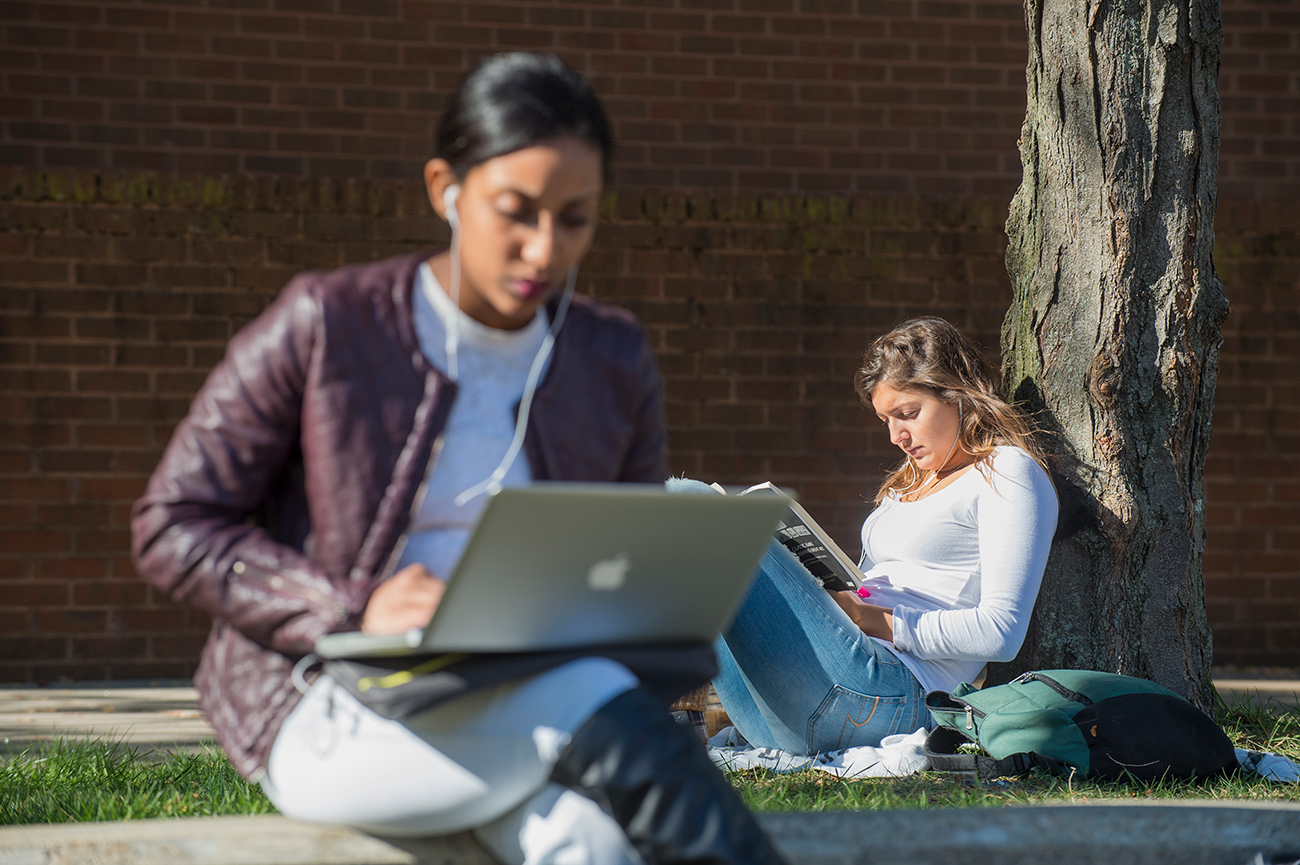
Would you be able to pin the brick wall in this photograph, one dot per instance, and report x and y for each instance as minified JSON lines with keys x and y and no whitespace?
{"x":843,"y":96}
{"x":816,"y":95}
{"x":120,"y":291}
{"x":1252,"y":487}
{"x":117,"y":294}
{"x":831,"y":166}
{"x":1259,"y":84}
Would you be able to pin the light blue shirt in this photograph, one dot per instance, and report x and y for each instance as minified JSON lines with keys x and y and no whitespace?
{"x":493,"y":369}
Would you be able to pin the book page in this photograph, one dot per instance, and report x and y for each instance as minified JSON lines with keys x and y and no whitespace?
{"x":815,"y":549}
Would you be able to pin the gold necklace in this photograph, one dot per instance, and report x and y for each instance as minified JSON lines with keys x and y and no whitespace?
{"x":943,"y":473}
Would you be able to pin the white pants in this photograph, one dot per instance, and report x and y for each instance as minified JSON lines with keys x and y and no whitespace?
{"x":479,"y":762}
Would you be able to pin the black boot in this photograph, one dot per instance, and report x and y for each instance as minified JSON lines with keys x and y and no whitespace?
{"x":651,"y":775}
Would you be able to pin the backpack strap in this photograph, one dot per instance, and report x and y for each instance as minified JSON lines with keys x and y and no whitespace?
{"x":941,"y":749}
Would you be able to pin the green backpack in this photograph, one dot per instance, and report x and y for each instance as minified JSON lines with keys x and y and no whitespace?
{"x":1080,"y":722}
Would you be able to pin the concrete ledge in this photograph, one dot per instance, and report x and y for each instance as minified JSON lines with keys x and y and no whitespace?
{"x":1106,"y":834}
{"x":1276,"y":694}
{"x":150,"y":718}
{"x":271,"y":840}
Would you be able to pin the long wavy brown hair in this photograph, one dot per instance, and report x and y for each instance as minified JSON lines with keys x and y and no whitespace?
{"x":929,"y":354}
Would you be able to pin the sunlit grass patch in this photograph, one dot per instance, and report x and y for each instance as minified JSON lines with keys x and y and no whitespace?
{"x":68,"y":780}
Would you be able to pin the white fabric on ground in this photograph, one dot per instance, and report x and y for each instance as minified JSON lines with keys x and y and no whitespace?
{"x":903,"y":754}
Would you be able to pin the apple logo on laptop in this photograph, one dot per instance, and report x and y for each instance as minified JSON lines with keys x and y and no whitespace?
{"x":609,"y":575}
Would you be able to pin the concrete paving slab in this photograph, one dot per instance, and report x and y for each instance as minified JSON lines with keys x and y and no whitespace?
{"x":225,"y":841}
{"x":1278,"y":693}
{"x":1093,"y":834}
{"x":159,"y":718}
{"x":1120,"y":834}
{"x":166,"y":717}
{"x":151,"y":718}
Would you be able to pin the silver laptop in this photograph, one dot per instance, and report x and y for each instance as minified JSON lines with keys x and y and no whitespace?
{"x":558,"y":566}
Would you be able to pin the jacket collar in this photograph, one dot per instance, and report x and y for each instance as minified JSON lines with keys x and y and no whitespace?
{"x":403,"y":298}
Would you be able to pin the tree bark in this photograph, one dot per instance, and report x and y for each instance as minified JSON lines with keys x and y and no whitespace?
{"x":1115,"y":326}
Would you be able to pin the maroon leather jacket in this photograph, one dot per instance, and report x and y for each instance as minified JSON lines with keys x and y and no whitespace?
{"x":281,"y":499}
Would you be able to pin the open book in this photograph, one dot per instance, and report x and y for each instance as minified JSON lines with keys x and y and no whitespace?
{"x":815,"y":549}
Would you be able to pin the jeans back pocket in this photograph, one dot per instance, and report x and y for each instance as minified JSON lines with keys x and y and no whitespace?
{"x":847,"y":719}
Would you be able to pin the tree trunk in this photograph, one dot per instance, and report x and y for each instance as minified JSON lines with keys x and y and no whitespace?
{"x":1114,"y":331}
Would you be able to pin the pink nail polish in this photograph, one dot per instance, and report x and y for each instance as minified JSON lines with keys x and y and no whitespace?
{"x":863,"y":593}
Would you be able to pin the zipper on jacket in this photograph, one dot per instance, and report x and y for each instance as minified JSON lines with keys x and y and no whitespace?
{"x":416,"y":503}
{"x":1072,"y":696}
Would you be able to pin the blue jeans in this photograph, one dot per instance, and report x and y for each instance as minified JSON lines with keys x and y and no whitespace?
{"x":795,"y":672}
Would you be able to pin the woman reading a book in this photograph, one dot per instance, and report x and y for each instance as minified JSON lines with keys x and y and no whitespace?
{"x":953,"y":556}
{"x":332,"y":466}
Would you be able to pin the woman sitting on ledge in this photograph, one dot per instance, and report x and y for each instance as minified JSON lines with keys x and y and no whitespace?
{"x":331,"y":469}
{"x":953,"y":556}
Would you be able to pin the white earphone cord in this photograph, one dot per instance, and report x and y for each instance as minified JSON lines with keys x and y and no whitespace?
{"x":493,"y":482}
{"x":452,"y":343}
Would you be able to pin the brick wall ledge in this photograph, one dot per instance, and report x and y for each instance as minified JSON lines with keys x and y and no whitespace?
{"x":1135,"y":834}
{"x":293,"y":193}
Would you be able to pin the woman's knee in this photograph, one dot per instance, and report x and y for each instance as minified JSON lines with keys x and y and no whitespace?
{"x":561,"y":827}
{"x":689,"y":485}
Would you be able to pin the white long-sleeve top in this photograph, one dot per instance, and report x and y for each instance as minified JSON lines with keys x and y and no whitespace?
{"x":961,"y":567}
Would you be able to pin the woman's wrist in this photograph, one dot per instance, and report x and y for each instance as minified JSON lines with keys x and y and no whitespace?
{"x":876,"y":622}
{"x":871,"y":620}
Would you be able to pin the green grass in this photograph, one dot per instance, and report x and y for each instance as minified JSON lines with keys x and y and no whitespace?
{"x":76,"y":781}
{"x":818,"y":791}
{"x":67,"y":781}
{"x":1249,"y":725}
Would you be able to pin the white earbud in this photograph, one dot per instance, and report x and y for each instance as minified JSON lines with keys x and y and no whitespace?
{"x":449,"y":196}
{"x":449,"y":203}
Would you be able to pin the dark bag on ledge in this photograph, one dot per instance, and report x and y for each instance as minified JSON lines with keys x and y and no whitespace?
{"x":1093,"y":725}
{"x":397,"y":688}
